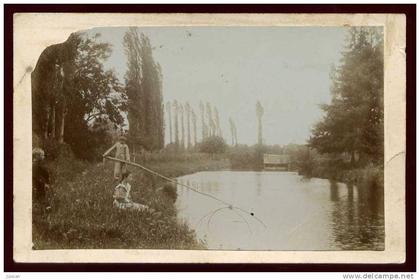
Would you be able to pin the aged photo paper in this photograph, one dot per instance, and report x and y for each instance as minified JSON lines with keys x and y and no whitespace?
{"x":33,"y":32}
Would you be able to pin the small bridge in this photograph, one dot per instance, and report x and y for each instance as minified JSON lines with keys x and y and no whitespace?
{"x":276,"y":162}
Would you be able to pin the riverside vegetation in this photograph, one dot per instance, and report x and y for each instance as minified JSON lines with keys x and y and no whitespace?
{"x":82,"y":214}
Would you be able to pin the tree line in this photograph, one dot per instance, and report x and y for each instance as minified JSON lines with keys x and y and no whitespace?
{"x":77,"y":102}
{"x":184,"y":124}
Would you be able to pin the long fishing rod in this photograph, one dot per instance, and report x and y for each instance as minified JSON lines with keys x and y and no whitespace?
{"x":230,"y":206}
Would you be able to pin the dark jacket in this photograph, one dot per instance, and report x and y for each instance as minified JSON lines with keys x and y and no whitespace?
{"x":40,"y":177}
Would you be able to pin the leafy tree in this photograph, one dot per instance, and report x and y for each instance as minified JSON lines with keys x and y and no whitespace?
{"x":98,"y":91}
{"x":353,"y":122}
{"x":97,"y":98}
{"x":213,"y":145}
{"x":72,"y":92}
{"x":51,"y":82}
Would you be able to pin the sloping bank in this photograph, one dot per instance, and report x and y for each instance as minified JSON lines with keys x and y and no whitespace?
{"x":82,"y":215}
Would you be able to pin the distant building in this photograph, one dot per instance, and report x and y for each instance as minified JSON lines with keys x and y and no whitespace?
{"x":276,"y":162}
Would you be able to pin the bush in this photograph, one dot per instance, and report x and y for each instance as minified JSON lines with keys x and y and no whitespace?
{"x":213,"y":145}
{"x":169,"y":190}
{"x":243,"y":157}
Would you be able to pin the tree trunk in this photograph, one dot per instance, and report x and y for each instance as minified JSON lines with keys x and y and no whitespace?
{"x":352,"y":160}
{"x":47,"y":124}
{"x":168,"y":108}
{"x":182,"y":128}
{"x":63,"y":118}
{"x":195,"y":128}
{"x":259,"y":131}
{"x":188,"y":128}
{"x":53,"y":122}
{"x":176,"y":123}
{"x":203,"y":123}
{"x":210,"y":120}
{"x":236,"y":136}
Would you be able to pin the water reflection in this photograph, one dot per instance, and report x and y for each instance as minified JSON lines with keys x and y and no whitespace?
{"x":311,"y":214}
{"x":258,"y":183}
{"x":333,"y":191}
{"x":358,"y":224}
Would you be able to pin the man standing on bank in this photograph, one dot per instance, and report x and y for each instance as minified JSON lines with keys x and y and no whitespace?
{"x":121,"y":152}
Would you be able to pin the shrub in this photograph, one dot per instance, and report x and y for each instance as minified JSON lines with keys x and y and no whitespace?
{"x":243,"y":157}
{"x":213,"y":145}
{"x":169,"y":190}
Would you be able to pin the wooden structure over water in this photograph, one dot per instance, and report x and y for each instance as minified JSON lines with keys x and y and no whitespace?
{"x":276,"y":162}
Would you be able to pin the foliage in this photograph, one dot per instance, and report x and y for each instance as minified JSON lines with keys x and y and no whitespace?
{"x":143,"y":85}
{"x":83,"y":215}
{"x":72,"y":93}
{"x":51,"y":82}
{"x":169,"y":190}
{"x":353,"y":122}
{"x":244,"y":157}
{"x":97,"y":91}
{"x":213,"y":145}
{"x":94,"y":110}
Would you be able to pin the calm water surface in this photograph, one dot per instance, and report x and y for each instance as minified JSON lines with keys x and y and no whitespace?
{"x":297,"y":213}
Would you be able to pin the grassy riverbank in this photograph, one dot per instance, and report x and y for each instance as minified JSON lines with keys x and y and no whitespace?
{"x":82,"y":215}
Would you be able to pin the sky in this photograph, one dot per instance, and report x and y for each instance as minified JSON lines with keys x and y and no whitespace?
{"x":285,"y":68}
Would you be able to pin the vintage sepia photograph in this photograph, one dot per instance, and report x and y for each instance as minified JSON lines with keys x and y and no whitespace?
{"x":210,"y":138}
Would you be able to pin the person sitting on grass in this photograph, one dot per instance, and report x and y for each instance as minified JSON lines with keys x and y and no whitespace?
{"x":122,"y":197}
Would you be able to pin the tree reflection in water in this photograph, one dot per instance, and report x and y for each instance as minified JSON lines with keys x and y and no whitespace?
{"x":358,"y":217}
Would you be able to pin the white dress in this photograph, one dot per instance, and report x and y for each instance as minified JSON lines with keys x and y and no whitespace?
{"x":122,"y":199}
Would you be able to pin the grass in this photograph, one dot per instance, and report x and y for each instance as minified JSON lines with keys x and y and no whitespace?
{"x":82,"y":216}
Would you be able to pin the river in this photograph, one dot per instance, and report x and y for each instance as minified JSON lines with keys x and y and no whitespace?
{"x":290,"y":212}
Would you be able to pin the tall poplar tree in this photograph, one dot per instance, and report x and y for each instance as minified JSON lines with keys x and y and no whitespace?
{"x":260,"y":111}
{"x":176,"y":110}
{"x":181,"y":111}
{"x":188,"y":112}
{"x":204,"y":128}
{"x":194,"y":123}
{"x":168,"y":111}
{"x":144,"y":90}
